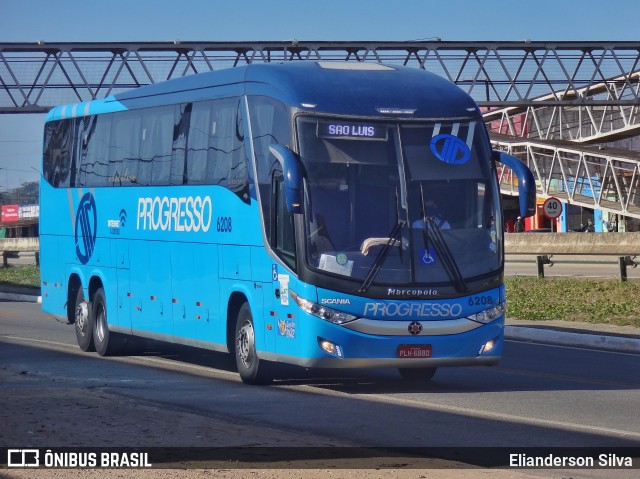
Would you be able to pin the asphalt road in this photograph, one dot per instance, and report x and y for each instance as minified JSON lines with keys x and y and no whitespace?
{"x":539,"y":396}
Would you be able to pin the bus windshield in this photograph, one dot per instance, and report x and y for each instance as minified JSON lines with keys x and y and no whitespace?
{"x":398,"y":203}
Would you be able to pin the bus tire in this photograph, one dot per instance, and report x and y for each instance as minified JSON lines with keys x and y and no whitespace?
{"x":252,"y":370}
{"x":417,"y":374}
{"x":83,"y":322}
{"x":106,"y":343}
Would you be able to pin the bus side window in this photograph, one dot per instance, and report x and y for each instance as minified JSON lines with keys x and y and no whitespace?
{"x":283,"y":227}
{"x":58,"y":152}
{"x":124,"y":158}
{"x":94,"y":151}
{"x":178,"y":174}
{"x":157,"y":141}
{"x":269,"y":125}
{"x":215,"y":148}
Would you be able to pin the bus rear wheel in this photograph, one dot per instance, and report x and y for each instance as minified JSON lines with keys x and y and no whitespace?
{"x":252,"y":370}
{"x":83,"y":322}
{"x":417,"y":374}
{"x":106,"y":342}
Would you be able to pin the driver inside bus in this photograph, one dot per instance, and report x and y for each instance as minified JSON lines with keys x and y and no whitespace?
{"x":319,"y":238}
{"x":431,"y":214}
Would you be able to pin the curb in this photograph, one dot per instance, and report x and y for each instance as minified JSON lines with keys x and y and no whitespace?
{"x":562,"y":338}
{"x":25,"y":298}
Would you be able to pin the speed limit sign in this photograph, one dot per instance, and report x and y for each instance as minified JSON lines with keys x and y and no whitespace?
{"x":552,"y":208}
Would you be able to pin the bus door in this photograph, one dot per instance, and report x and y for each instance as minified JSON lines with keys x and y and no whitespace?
{"x":283,"y":241}
{"x":283,"y":317}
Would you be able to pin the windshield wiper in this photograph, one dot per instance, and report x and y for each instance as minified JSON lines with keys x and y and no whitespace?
{"x":441,"y":247}
{"x":392,"y":239}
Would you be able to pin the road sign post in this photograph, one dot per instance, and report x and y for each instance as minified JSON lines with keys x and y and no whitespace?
{"x":552,"y":208}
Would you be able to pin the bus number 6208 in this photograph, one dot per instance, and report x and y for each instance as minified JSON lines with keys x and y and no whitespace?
{"x":223,"y":224}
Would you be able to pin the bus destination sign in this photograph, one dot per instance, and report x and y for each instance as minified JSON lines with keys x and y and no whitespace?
{"x":352,"y":131}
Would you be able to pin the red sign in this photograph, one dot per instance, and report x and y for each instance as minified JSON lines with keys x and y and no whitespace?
{"x":10,"y":213}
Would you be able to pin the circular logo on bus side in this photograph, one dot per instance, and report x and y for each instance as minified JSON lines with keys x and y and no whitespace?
{"x":86,"y":226}
{"x":450,"y":149}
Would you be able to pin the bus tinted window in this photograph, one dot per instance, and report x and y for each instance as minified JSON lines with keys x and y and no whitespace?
{"x":270,"y":125}
{"x":58,"y":152}
{"x":198,"y":144}
{"x":215,"y":147}
{"x":95,"y":134}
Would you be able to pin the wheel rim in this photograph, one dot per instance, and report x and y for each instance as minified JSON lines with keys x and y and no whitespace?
{"x":246,"y":344}
{"x":100,"y":323}
{"x":82,"y":318}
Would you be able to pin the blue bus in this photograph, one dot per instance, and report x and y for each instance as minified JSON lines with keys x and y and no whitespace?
{"x":321,"y":214}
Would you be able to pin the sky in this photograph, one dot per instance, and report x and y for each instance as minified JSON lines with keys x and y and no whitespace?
{"x":264,"y":20}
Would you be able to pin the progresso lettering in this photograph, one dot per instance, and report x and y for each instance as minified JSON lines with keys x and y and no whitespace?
{"x":187,"y":214}
{"x":412,"y":310}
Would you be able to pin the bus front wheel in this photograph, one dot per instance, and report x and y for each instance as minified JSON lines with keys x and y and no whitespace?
{"x":252,"y":370}
{"x":83,"y":322}
{"x":106,"y":342}
{"x":417,"y":374}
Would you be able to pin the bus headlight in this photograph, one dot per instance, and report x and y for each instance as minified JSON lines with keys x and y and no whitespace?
{"x":490,"y":314}
{"x":322,"y":312}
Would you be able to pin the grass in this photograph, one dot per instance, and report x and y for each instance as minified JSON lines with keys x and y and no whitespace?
{"x":27,"y":275}
{"x":590,"y":301}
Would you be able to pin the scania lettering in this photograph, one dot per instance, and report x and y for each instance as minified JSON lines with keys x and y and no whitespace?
{"x":319,"y":214}
{"x":175,"y":214}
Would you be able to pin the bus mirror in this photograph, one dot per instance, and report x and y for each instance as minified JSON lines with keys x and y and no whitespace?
{"x":292,"y":171}
{"x":526,"y":183}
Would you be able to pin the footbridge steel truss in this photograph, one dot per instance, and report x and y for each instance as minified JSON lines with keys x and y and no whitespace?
{"x":539,"y":91}
{"x":36,"y":76}
{"x":595,"y":177}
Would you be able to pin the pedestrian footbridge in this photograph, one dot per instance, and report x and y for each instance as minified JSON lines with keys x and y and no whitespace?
{"x":591,"y":176}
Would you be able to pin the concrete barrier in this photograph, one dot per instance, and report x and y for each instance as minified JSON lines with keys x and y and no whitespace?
{"x":19,"y":245}
{"x":544,"y":245}
{"x":573,"y":243}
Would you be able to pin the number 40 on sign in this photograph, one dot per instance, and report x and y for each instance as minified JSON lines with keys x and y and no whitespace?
{"x":552,"y":208}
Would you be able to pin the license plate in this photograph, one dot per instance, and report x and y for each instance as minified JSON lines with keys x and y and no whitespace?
{"x":414,"y":351}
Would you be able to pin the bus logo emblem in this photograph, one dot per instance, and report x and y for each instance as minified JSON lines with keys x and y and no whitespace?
{"x":86,"y":225}
{"x":415,"y":327}
{"x":450,"y":149}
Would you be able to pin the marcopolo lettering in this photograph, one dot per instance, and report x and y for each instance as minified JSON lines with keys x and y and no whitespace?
{"x":411,"y":292}
{"x":190,"y":214}
{"x":411,"y":310}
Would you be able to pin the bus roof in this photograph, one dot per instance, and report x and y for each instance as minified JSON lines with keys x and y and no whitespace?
{"x":342,"y":88}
